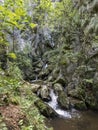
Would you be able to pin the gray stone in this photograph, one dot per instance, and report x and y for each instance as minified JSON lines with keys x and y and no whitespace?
{"x":44,"y":93}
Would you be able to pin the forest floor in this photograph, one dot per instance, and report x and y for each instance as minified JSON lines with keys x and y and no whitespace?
{"x":13,"y":116}
{"x":18,"y":112}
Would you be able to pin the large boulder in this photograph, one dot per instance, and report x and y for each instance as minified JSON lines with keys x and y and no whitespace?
{"x":63,"y":100}
{"x":57,"y":88}
{"x":44,"y":93}
{"x":45,"y":109}
{"x":35,"y":87}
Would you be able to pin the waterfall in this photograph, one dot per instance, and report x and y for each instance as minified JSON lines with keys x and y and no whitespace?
{"x":54,"y":104}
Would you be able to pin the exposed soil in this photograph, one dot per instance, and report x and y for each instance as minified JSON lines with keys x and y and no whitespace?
{"x":13,"y":116}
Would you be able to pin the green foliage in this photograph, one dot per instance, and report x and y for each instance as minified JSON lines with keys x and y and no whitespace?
{"x":10,"y":80}
{"x":12,"y":55}
{"x":14,"y":91}
{"x":26,"y":101}
{"x":25,"y":62}
{"x":32,"y":25}
{"x":13,"y":15}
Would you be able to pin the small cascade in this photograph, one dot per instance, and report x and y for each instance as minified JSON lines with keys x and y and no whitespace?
{"x":54,"y":104}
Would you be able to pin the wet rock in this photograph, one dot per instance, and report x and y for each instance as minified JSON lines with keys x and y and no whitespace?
{"x":35,"y":87}
{"x":44,"y":93}
{"x":45,"y":109}
{"x":57,"y":88}
{"x":63,"y":100}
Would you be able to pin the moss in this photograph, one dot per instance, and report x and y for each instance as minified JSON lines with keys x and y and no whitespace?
{"x":58,"y":88}
{"x":60,"y":80}
{"x":94,"y":106}
{"x":80,"y":105}
{"x":77,"y":93}
{"x":63,"y":100}
{"x":91,"y":102}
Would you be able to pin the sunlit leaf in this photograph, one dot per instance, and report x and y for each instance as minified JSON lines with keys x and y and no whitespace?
{"x":32,"y":25}
{"x":12,"y":55}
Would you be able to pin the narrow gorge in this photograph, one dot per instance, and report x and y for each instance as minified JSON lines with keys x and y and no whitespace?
{"x":49,"y":64}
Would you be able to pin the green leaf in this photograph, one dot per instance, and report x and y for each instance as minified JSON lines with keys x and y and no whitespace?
{"x":12,"y":55}
{"x":32,"y":25}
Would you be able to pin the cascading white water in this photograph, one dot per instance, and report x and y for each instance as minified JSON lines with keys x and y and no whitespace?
{"x":54,"y":104}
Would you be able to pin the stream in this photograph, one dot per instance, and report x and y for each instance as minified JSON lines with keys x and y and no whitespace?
{"x":73,"y":119}
{"x":62,"y":113}
{"x":86,"y":121}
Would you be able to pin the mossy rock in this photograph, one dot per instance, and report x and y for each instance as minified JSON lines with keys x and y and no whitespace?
{"x":77,"y":93}
{"x":57,"y":88}
{"x":45,"y":109}
{"x":35,"y":87}
{"x":44,"y":93}
{"x":93,"y":105}
{"x":96,"y":95}
{"x":63,"y":100}
{"x":78,"y":104}
{"x":91,"y":102}
{"x":60,"y":80}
